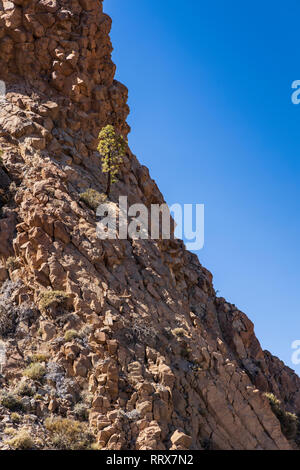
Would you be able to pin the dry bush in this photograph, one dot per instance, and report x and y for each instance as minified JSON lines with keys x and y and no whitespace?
{"x":71,"y":334}
{"x":35,"y":371}
{"x":68,"y":434}
{"x":93,"y":198}
{"x":51,"y":298}
{"x":21,"y":441}
{"x":11,"y":401}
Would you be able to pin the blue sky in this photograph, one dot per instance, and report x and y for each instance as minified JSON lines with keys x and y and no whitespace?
{"x":211,"y":115}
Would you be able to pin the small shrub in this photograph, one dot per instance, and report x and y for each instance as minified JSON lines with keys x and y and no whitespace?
{"x":71,"y":334}
{"x":274,"y":402}
{"x":96,"y":446}
{"x":25,"y":389}
{"x":35,"y":371}
{"x":39,"y":357}
{"x":15,"y":417}
{"x":93,"y":198}
{"x":49,"y":298}
{"x":68,"y":434}
{"x":38,"y":396}
{"x":11,"y":402}
{"x":290,"y":425}
{"x":81,"y":411}
{"x":9,"y":431}
{"x":179,"y":332}
{"x":288,"y":421}
{"x":21,"y":441}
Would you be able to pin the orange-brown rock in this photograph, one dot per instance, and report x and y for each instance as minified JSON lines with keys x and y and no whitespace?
{"x":148,"y":388}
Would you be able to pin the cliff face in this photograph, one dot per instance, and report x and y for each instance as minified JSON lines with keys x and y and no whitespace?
{"x":159,"y":361}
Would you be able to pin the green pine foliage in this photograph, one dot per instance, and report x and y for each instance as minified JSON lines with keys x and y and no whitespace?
{"x":112,"y":147}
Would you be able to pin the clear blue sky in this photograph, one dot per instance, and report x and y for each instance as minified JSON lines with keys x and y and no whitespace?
{"x":211,"y":115}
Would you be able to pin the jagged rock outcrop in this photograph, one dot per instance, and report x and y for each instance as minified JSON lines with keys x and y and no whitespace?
{"x":164,"y":362}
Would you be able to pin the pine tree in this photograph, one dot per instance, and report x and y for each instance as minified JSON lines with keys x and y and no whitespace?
{"x":112,"y":147}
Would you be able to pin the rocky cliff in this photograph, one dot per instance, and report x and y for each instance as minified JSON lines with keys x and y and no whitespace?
{"x":124,"y":339}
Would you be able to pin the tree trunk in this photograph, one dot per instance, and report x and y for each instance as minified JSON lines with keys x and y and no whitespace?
{"x":108,"y":184}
